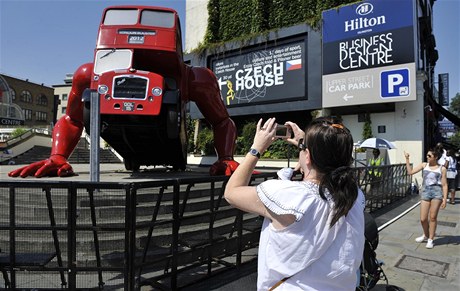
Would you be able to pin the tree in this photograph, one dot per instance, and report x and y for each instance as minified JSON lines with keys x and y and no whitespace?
{"x":455,"y":109}
{"x":367,"y":127}
{"x":455,"y":105}
{"x":245,"y":139}
{"x":18,"y":131}
{"x":455,"y":140}
{"x":205,"y":142}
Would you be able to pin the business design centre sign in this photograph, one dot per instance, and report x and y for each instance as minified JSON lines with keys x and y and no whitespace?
{"x":269,"y":75}
{"x":369,"y":53}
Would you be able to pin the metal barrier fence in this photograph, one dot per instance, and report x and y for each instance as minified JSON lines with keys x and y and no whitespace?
{"x":383,"y":185}
{"x":164,"y":234}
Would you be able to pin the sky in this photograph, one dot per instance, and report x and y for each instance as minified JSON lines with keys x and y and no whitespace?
{"x":43,"y":40}
{"x":446,"y":28}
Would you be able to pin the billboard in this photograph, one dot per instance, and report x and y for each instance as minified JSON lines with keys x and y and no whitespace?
{"x":275,"y":73}
{"x":443,"y":84}
{"x":446,"y":126}
{"x":369,"y":53}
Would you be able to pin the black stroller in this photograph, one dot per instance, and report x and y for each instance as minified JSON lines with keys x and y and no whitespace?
{"x":371,"y":269}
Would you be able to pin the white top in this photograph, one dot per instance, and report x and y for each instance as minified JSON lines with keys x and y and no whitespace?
{"x":285,"y":173}
{"x":431,"y":177}
{"x":317,"y":256}
{"x":452,"y":164}
{"x":442,"y":159}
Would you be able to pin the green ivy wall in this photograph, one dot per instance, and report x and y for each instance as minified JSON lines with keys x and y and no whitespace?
{"x":232,"y":19}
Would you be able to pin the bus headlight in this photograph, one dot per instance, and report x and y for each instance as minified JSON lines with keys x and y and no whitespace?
{"x":156,"y":91}
{"x":102,"y":89}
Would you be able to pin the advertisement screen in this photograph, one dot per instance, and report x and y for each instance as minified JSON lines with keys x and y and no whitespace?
{"x":272,"y":74}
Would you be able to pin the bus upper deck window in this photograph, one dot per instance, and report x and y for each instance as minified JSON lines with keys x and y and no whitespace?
{"x":157,"y":18}
{"x":121,"y":16}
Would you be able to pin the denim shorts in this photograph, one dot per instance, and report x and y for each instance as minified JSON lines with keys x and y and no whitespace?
{"x":431,"y":192}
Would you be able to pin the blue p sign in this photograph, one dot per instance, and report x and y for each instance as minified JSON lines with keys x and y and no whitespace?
{"x":394,"y":83}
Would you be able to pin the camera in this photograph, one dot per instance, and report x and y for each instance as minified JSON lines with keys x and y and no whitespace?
{"x":282,"y":131}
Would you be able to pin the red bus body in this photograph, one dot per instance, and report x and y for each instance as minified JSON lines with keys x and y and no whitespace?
{"x":156,"y":54}
{"x":138,"y":69}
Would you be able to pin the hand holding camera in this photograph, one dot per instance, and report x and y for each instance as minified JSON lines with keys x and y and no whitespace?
{"x":282,"y":131}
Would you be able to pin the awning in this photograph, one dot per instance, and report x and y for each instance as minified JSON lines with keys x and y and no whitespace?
{"x":446,"y":113}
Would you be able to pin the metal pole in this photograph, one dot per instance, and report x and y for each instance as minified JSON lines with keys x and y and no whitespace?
{"x":354,"y":152}
{"x":95,"y":134}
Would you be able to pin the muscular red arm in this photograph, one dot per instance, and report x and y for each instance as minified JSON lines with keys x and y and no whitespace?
{"x":204,"y":90}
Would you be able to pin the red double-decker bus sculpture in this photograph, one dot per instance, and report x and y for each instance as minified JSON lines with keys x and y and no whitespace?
{"x":143,"y":85}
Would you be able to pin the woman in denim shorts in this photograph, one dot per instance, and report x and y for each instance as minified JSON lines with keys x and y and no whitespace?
{"x":433,"y":196}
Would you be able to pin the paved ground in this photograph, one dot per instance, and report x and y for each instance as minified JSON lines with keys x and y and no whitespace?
{"x":411,"y":266}
{"x":408,"y":265}
{"x":117,"y":173}
{"x":110,"y":173}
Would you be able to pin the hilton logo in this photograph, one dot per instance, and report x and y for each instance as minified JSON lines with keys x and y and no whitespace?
{"x":364,"y":22}
{"x":364,"y":9}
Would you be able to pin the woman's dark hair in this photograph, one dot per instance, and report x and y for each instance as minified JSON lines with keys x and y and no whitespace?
{"x":330,"y":145}
{"x":437,"y":151}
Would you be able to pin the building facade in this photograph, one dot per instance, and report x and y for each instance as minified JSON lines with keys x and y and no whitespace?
{"x":61,"y":92}
{"x":37,"y":102}
{"x":409,"y":122}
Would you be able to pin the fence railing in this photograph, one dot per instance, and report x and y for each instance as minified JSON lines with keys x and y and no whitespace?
{"x":383,"y":185}
{"x":164,"y":234}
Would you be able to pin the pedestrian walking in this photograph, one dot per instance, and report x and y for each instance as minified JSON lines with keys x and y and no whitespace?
{"x":442,"y":158}
{"x":433,"y":195}
{"x":451,"y":175}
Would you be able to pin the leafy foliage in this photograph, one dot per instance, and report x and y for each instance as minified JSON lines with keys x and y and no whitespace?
{"x":244,"y":140}
{"x":279,"y":149}
{"x":18,"y":131}
{"x":455,"y":140}
{"x":455,"y":105}
{"x":205,"y":142}
{"x":455,"y":109}
{"x":367,"y":128}
{"x":233,"y":19}
{"x":212,"y":31}
{"x":190,"y":128}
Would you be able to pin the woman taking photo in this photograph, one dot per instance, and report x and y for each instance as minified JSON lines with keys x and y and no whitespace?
{"x":433,"y":195}
{"x":313,"y":231}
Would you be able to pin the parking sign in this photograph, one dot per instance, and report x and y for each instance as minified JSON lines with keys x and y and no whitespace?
{"x":369,"y":53}
{"x":394,"y":83}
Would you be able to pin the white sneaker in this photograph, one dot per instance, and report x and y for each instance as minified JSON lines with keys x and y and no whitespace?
{"x":421,"y":239}
{"x":429,"y":244}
